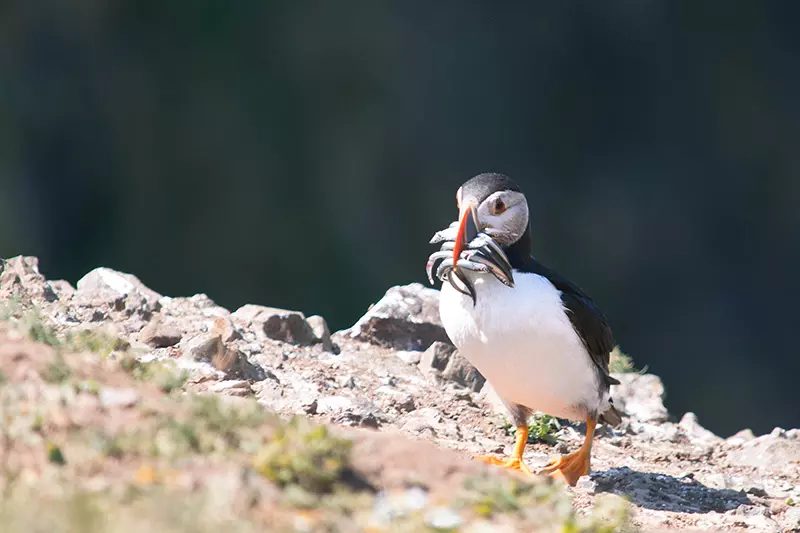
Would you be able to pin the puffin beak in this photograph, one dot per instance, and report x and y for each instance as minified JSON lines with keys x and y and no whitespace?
{"x":467,"y":229}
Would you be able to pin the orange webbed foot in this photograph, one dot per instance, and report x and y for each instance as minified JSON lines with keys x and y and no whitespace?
{"x":512,"y":463}
{"x":570,"y":468}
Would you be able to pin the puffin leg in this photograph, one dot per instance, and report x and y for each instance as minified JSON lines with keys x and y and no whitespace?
{"x":515,"y":461}
{"x":570,"y":468}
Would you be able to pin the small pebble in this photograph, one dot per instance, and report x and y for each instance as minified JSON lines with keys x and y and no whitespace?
{"x":443,"y":519}
{"x":416,"y":498}
{"x":391,"y":381}
{"x":409,"y":357}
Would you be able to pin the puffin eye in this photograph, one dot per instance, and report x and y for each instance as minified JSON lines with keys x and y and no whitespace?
{"x":498,"y":207}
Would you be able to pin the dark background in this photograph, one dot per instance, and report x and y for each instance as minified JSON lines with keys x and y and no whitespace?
{"x":301,"y":154}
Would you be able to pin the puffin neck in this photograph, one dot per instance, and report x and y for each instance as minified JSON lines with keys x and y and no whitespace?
{"x":519,"y":253}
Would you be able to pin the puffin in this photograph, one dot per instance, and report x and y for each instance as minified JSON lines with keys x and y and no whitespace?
{"x":537,"y":338}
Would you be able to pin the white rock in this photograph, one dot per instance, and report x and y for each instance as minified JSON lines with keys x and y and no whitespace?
{"x":333,"y":404}
{"x":641,"y":397}
{"x":693,"y":429}
{"x":409,"y":356}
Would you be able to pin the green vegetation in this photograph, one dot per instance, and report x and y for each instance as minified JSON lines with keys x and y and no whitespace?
{"x":34,"y":326}
{"x":57,"y":370}
{"x":622,"y":363}
{"x":202,"y":425}
{"x":164,"y":374}
{"x":541,"y":428}
{"x":304,"y":454}
{"x":540,"y":503}
{"x":490,"y":496}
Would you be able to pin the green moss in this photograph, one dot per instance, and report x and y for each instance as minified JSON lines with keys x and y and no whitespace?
{"x":489,"y":496}
{"x":226,"y":420}
{"x":206,"y":425}
{"x":610,"y":514}
{"x":35,"y":328}
{"x":57,"y":370}
{"x":540,"y":504}
{"x":303,"y":454}
{"x":541,"y":428}
{"x":95,"y":341}
{"x":55,"y":455}
{"x":164,"y":374}
{"x":11,"y":309}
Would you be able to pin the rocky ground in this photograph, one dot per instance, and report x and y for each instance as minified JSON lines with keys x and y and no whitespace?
{"x":126,"y":410}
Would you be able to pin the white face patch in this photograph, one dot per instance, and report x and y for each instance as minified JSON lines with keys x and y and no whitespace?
{"x":509,"y":223}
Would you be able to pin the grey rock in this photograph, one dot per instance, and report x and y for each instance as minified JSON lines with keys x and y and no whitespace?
{"x":321,"y":332}
{"x":442,"y":359}
{"x":351,"y":412}
{"x":333,"y":404}
{"x":740,"y":437}
{"x":277,"y":324}
{"x":692,"y":427}
{"x":429,"y":422}
{"x":159,"y":334}
{"x":437,"y":356}
{"x":770,"y":452}
{"x":409,"y":357}
{"x":63,"y":289}
{"x":105,"y":284}
{"x":400,"y":400}
{"x":461,"y":371}
{"x":288,"y":394}
{"x":204,"y":348}
{"x":233,"y":362}
{"x":348,"y":382}
{"x":20,"y":277}
{"x":641,"y":397}
{"x":232,"y":387}
{"x":226,"y":329}
{"x":406,"y":318}
{"x":791,"y":519}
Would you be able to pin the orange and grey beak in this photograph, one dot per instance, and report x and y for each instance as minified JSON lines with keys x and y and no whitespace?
{"x":467,"y":228}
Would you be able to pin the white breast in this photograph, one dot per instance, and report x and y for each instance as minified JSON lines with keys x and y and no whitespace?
{"x":523,"y":342}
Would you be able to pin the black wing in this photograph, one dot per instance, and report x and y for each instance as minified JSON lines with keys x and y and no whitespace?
{"x":587,"y":319}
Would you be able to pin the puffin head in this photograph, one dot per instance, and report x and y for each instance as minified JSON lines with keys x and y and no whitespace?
{"x":491,"y":203}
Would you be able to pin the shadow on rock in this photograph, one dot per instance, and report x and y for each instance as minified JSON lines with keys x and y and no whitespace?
{"x":667,"y":493}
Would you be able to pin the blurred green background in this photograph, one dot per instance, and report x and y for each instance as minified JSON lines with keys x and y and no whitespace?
{"x":301,"y":154}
